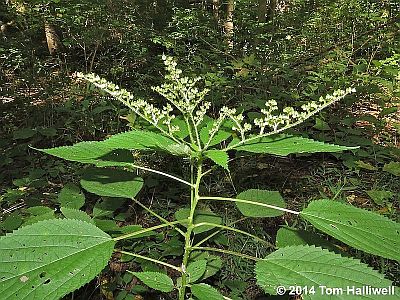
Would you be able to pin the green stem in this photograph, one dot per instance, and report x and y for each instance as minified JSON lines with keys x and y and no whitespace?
{"x":190,"y":130}
{"x":190,"y":226}
{"x":219,"y":123}
{"x":150,"y":211}
{"x":235,"y":230}
{"x":250,"y":202}
{"x":129,"y":235}
{"x":162,"y":173}
{"x":196,"y":132}
{"x":218,"y":231}
{"x":227,"y":252}
{"x":149,"y":259}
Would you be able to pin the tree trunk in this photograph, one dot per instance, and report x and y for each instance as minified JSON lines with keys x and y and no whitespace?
{"x":230,"y":7}
{"x":53,"y":39}
{"x":262,"y":11}
{"x":272,"y":9}
{"x":215,"y":9}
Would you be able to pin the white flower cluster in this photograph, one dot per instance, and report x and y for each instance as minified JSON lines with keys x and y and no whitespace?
{"x":201,"y":112}
{"x":182,"y":91}
{"x":230,"y":113}
{"x":147,"y":111}
{"x":290,"y":116}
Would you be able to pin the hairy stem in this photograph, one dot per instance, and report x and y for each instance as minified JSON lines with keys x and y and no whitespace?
{"x":150,"y":211}
{"x":149,"y":259}
{"x":227,"y":252}
{"x":256,"y":238}
{"x":163,"y":174}
{"x":195,"y":181}
{"x":129,"y":235}
{"x":196,"y":132}
{"x":249,"y":202}
{"x":218,"y":231}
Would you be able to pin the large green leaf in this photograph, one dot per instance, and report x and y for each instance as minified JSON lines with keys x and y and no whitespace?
{"x":392,"y":168}
{"x":204,"y":291}
{"x":214,"y":263}
{"x":356,"y":227}
{"x":379,"y":196}
{"x":71,"y":213}
{"x":105,"y":207}
{"x":260,"y":196}
{"x":196,"y":270}
{"x":155,"y":280}
{"x":86,"y":152}
{"x":312,"y":267}
{"x":286,"y":144}
{"x":219,"y":157}
{"x":52,"y":258}
{"x":111,"y":183}
{"x":287,"y":236}
{"x":71,"y":196}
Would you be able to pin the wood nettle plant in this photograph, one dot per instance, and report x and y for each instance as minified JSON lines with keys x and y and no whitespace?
{"x":51,"y":258}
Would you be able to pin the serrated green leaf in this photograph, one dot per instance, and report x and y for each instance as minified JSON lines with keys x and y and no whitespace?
{"x":179,"y":149}
{"x":379,"y":197}
{"x":214,"y":263}
{"x":115,"y":158}
{"x":200,"y":216}
{"x":39,"y":210}
{"x":155,"y":280}
{"x":34,"y":219}
{"x":71,"y":196}
{"x":50,"y":259}
{"x":260,"y":196}
{"x":286,"y":144}
{"x":392,"y":168}
{"x":86,"y":152}
{"x":219,"y":157}
{"x":206,"y":292}
{"x":321,"y":125}
{"x":314,"y":267}
{"x":172,"y":247}
{"x":13,"y":221}
{"x":287,"y":236}
{"x":71,"y":213}
{"x":356,"y":227}
{"x":365,"y":165}
{"x":111,"y":183}
{"x":196,"y":270}
{"x":107,"y":225}
{"x":105,"y":207}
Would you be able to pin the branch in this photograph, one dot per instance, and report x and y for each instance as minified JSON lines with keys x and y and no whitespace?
{"x":227,"y":252}
{"x":235,"y":230}
{"x":149,"y":259}
{"x":129,"y":235}
{"x":250,"y":202}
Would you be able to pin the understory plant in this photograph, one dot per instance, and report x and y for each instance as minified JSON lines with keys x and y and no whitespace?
{"x":51,"y":258}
